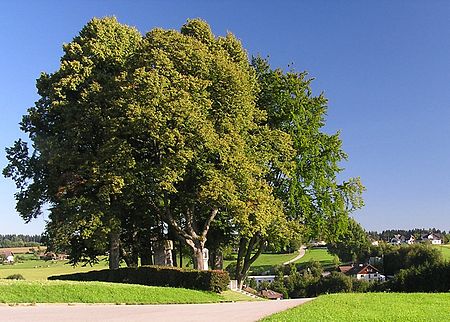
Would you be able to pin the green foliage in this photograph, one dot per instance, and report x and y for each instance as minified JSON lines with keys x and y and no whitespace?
{"x":95,"y":292}
{"x":177,"y":128}
{"x":353,"y":245}
{"x":335,"y":283}
{"x":15,"y":277}
{"x":362,"y":286}
{"x":305,"y":179}
{"x":430,"y":277}
{"x":403,"y":257}
{"x":214,"y":281}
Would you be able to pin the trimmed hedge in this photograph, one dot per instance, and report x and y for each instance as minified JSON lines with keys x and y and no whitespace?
{"x":213,"y":280}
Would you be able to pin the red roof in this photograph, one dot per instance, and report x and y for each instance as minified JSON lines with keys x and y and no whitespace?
{"x":271,"y":294}
{"x":364,"y":269}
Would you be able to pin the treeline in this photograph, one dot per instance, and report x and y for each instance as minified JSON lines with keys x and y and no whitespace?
{"x":13,"y":240}
{"x":387,"y":235}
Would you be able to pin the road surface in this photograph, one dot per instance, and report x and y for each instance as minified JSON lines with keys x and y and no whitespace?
{"x":301,"y":253}
{"x":237,"y":312}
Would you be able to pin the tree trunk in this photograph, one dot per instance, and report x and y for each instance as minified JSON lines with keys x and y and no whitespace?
{"x":181,"y":254}
{"x":190,"y":235}
{"x":198,"y":259}
{"x":244,"y":262}
{"x":146,"y":255}
{"x":114,"y":250}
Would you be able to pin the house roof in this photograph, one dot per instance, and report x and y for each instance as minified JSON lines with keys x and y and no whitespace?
{"x":271,"y":294}
{"x":364,"y":269}
{"x":430,"y":236}
{"x":345,"y":268}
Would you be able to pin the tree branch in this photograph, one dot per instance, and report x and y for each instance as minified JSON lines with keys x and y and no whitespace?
{"x":208,"y":222}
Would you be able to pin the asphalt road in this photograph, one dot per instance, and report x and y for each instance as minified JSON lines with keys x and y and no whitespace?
{"x":237,"y":312}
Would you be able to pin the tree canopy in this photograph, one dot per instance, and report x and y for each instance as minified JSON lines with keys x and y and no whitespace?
{"x":134,"y":136}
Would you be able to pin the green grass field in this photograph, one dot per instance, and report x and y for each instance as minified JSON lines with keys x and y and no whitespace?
{"x":411,"y":307}
{"x":320,"y":255}
{"x":445,"y":249}
{"x":266,"y":261}
{"x":97,"y":292}
{"x":39,"y":270}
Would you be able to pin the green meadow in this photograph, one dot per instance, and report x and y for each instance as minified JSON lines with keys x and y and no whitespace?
{"x":367,"y":307}
{"x":97,"y":292}
{"x":39,"y":270}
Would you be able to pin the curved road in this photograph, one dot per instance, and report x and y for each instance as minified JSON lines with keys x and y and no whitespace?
{"x":240,"y":311}
{"x":301,"y":253}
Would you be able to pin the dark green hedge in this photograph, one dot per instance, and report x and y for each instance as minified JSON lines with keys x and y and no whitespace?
{"x":215,"y":281}
{"x":425,"y":278}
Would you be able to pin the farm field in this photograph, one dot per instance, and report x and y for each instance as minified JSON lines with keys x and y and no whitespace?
{"x":98,"y":292}
{"x":21,"y":250}
{"x":370,"y":307}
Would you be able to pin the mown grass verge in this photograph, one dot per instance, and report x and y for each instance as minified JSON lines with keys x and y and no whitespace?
{"x":371,"y":307}
{"x":97,"y":292}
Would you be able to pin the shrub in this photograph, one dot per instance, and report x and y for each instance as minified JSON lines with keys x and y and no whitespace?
{"x":425,"y":278}
{"x":335,"y":283}
{"x":15,"y":277}
{"x":405,"y":257}
{"x":360,"y":286}
{"x":215,"y":281}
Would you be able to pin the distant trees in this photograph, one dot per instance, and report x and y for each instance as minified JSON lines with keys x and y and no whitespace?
{"x":13,"y":240}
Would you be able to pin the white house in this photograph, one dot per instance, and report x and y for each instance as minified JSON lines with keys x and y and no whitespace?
{"x":432,"y":238}
{"x":411,"y":240}
{"x":9,"y":257}
{"x":263,"y":278}
{"x":365,"y":272}
{"x":397,"y":240}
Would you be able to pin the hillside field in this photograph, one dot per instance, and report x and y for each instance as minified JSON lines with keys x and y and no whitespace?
{"x":98,"y":292}
{"x":367,"y":307}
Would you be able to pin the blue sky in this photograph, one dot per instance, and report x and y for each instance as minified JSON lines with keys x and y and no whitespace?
{"x":383,"y":65}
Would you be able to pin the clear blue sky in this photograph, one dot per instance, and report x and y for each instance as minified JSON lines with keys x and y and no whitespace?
{"x":384,"y":65}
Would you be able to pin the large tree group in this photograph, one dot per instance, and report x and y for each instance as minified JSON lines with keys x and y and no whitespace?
{"x":177,"y":134}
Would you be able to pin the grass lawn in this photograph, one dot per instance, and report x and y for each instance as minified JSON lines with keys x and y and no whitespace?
{"x":320,"y":255}
{"x":267,"y":261}
{"x":98,"y":292}
{"x":371,"y":307}
{"x":40,"y":270}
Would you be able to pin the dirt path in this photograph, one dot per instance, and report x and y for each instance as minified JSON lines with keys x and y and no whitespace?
{"x":301,"y":253}
{"x":240,"y":311}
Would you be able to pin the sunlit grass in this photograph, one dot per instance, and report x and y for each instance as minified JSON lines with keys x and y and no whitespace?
{"x":98,"y":292}
{"x":410,"y":307}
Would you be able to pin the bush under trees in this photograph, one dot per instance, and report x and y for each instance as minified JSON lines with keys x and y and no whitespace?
{"x":426,"y":278}
{"x":404,"y":257}
{"x":214,"y":281}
